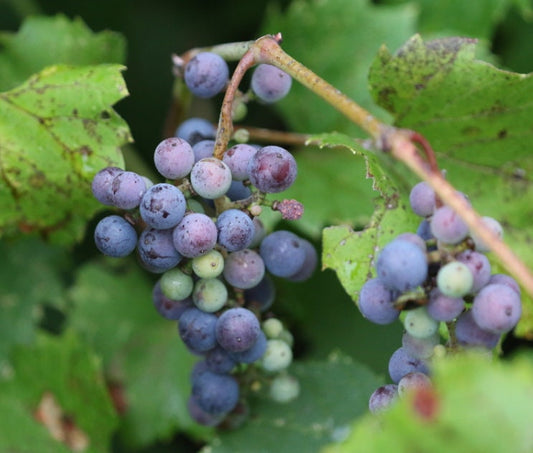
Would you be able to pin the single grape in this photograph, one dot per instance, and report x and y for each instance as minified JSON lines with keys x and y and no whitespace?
{"x":101,"y":184}
{"x":238,"y":191}
{"x":420,"y":348}
{"x":418,"y":323}
{"x":382,"y":398}
{"x":284,"y":388}
{"x":197,"y":329}
{"x":114,"y":236}
{"x":424,"y":230}
{"x":401,"y":265}
{"x":235,"y":230}
{"x":206,"y":74}
{"x":156,"y":250}
{"x":272,"y":169}
{"x":175,"y":284}
{"x":376,"y":302}
{"x":269,"y":83}
{"x":193,"y":130}
{"x":309,"y":264}
{"x":447,"y":226}
{"x":402,"y":363}
{"x":244,"y":269}
{"x":210,"y":294}
{"x":163,"y":206}
{"x":254,"y":353}
{"x":210,"y":178}
{"x":493,"y":225}
{"x":480,"y":267}
{"x":497,"y":308}
{"x":505,"y":280}
{"x":216,"y":393}
{"x":174,"y":158}
{"x":218,"y":360}
{"x":277,"y":357}
{"x":455,"y":279}
{"x":422,"y":199}
{"x":127,"y":190}
{"x":203,"y":149}
{"x":415,"y":239}
{"x":237,"y":329}
{"x":283,"y":253}
{"x":195,"y":235}
{"x":272,"y":328}
{"x":169,"y":308}
{"x":209,"y":265}
{"x":237,"y":159}
{"x":261,"y":295}
{"x":259,"y":232}
{"x":469,"y":334}
{"x":200,"y":416}
{"x":412,"y":382}
{"x":444,"y":308}
{"x":199,"y":368}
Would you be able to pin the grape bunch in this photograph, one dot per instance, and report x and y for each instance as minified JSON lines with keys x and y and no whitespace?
{"x":200,"y":231}
{"x":437,"y":280}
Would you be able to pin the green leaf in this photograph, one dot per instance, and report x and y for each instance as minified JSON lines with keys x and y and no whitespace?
{"x":332,"y":394}
{"x":478,"y":119}
{"x":63,"y":370}
{"x":58,"y":129}
{"x":472,"y":396}
{"x":66,"y":42}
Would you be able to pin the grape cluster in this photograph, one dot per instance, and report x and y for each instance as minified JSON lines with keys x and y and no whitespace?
{"x":200,"y":231}
{"x":438,"y":276}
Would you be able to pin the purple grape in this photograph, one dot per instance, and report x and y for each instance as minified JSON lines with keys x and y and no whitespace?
{"x":497,"y":308}
{"x":415,"y":239}
{"x":447,"y":226}
{"x":195,"y":235}
{"x":114,"y":236}
{"x":376,"y":302}
{"x":309,"y":264}
{"x":174,"y":158}
{"x":254,"y":353}
{"x":168,"y":308}
{"x":156,"y":250}
{"x":422,"y":199}
{"x":401,"y":265}
{"x":193,"y":130}
{"x":479,"y":265}
{"x":244,"y":269}
{"x":412,"y":382}
{"x":469,"y":334}
{"x":206,"y":74}
{"x":444,"y":308}
{"x":197,"y":329}
{"x":420,"y":348}
{"x":237,"y":329}
{"x":127,"y":190}
{"x":210,"y":178}
{"x":269,"y":83}
{"x":382,"y":398}
{"x":235,"y":230}
{"x":424,"y":230}
{"x":259,"y":232}
{"x":261,"y":295}
{"x":218,"y":360}
{"x":216,"y":393}
{"x":283,"y":253}
{"x":237,"y":159}
{"x":163,"y":206}
{"x":101,"y":184}
{"x":505,"y":280}
{"x":272,"y":169}
{"x":203,"y":149}
{"x":402,"y":363}
{"x":199,"y":368}
{"x":491,"y":224}
{"x":238,"y":191}
{"x":200,"y":416}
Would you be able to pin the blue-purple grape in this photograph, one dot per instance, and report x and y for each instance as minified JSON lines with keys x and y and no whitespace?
{"x":424,"y":230}
{"x":480,"y":267}
{"x":169,"y":308}
{"x":382,"y":398}
{"x":238,"y":191}
{"x":237,"y":159}
{"x":114,"y":236}
{"x":127,"y":190}
{"x":235,"y":230}
{"x":254,"y":353}
{"x":261,"y":295}
{"x":174,"y":158}
{"x":505,"y":280}
{"x":203,"y":149}
{"x":216,"y":393}
{"x":402,"y":363}
{"x":376,"y":302}
{"x":244,"y":269}
{"x":272,"y":169}
{"x":415,"y":239}
{"x":444,"y":308}
{"x":283,"y":253}
{"x":197,"y":329}
{"x":206,"y":74}
{"x":269,"y":83}
{"x":218,"y":360}
{"x":420,"y":348}
{"x":422,"y":199}
{"x":200,"y":416}
{"x":469,"y":334}
{"x":156,"y":250}
{"x":491,"y":224}
{"x":102,"y":182}
{"x":195,"y":235}
{"x":447,"y":226}
{"x":194,"y":130}
{"x":237,"y":329}
{"x":309,"y":264}
{"x":210,"y":178}
{"x":401,"y":265}
{"x":163,"y":206}
{"x":497,"y":308}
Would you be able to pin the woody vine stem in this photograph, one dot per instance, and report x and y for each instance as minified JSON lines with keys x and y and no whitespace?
{"x":405,"y":145}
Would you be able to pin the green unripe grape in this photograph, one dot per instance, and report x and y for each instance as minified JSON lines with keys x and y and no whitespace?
{"x":272,"y":328}
{"x":210,"y":294}
{"x":277,"y":357}
{"x":419,"y":324}
{"x":284,"y":388}
{"x":209,"y":265}
{"x":176,"y":285}
{"x":287,"y":337}
{"x":455,"y":279}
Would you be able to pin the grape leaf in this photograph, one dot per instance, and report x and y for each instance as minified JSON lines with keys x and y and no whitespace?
{"x":469,"y":391}
{"x":332,"y":394}
{"x":66,"y":42}
{"x":58,"y":129}
{"x":62,"y":370}
{"x":478,"y":119}
{"x":114,"y":313}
